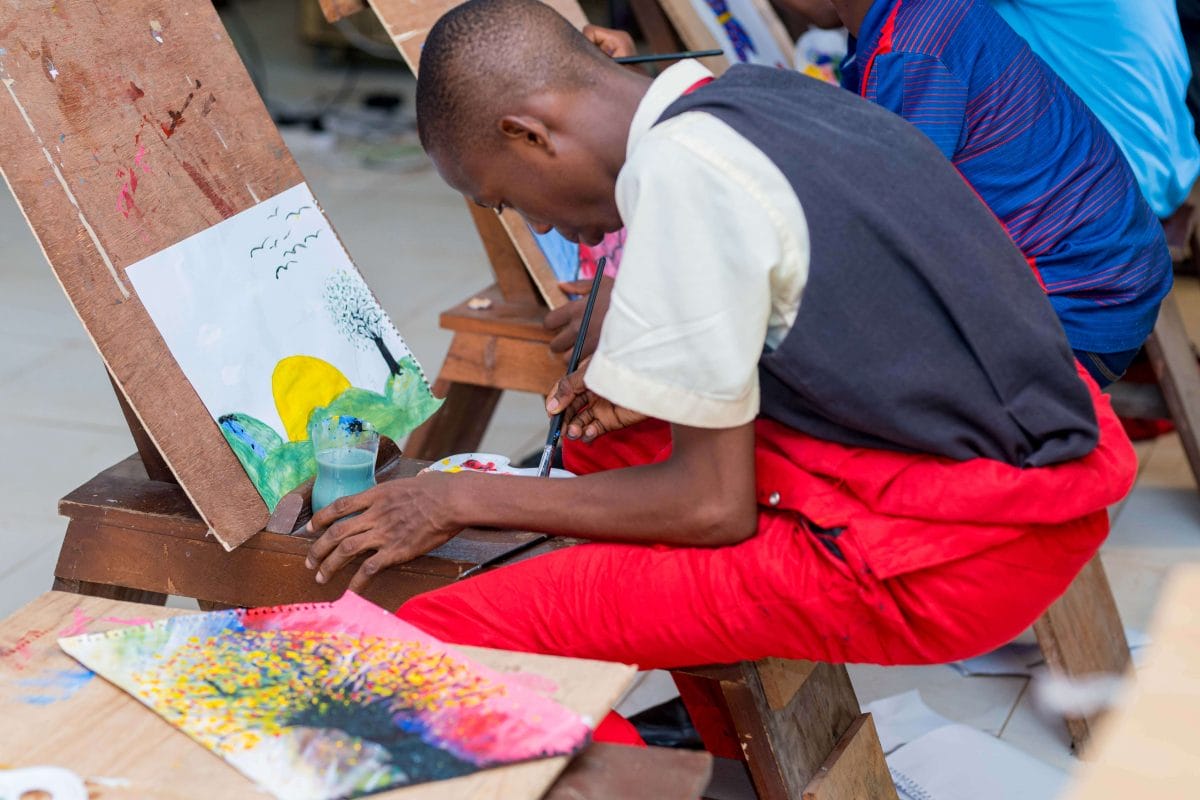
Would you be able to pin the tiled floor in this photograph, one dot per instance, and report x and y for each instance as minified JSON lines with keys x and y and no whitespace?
{"x":412,"y":239}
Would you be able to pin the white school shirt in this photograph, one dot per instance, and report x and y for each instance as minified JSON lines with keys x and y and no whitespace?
{"x":714,"y":264}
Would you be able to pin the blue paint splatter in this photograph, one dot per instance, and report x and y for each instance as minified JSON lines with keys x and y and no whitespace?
{"x":55,"y":685}
{"x":3,"y":52}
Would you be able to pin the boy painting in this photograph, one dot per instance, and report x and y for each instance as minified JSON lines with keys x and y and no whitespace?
{"x":873,"y":442}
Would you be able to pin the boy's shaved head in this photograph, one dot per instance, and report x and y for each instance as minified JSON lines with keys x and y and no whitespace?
{"x":483,"y":56}
{"x":518,"y":110}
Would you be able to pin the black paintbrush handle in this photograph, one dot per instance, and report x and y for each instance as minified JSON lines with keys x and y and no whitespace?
{"x":557,"y":422}
{"x":668,"y":56}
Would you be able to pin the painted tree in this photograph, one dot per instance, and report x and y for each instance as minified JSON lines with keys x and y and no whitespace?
{"x":357,"y":314}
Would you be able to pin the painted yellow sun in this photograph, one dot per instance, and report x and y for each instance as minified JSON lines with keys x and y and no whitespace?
{"x":300,"y":384}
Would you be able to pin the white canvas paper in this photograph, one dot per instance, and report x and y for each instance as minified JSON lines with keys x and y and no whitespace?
{"x":271,"y":322}
{"x":741,"y":32}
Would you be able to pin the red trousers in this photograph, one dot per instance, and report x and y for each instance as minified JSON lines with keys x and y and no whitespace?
{"x":860,"y":556}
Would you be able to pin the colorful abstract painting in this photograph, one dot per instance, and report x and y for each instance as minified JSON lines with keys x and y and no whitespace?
{"x":741,"y":32}
{"x":329,"y":700}
{"x":273,"y":326}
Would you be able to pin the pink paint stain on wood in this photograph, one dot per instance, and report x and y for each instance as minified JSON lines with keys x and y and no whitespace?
{"x":125,"y":203}
{"x":19,"y":652}
{"x":79,"y":624}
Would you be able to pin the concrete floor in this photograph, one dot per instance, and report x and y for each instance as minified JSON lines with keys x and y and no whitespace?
{"x":412,"y":239}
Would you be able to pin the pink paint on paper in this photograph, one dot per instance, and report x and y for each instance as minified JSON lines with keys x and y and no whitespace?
{"x":130,"y":621}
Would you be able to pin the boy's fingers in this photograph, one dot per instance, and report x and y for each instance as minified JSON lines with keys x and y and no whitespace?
{"x":558,"y":317}
{"x":345,"y":552}
{"x":332,"y":537}
{"x":343,"y":506}
{"x":575,"y":287}
{"x":561,"y":395}
{"x":564,"y":342}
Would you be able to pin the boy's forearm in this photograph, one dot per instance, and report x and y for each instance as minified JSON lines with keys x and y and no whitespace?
{"x":694,"y":498}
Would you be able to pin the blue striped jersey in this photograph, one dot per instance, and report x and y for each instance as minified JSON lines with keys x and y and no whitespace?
{"x":1031,"y":150}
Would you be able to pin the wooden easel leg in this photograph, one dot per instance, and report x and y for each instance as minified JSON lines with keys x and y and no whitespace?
{"x":1081,"y":635}
{"x":656,"y":28}
{"x":856,"y":767}
{"x":1174,"y":364}
{"x":156,"y":465}
{"x":800,"y":730}
{"x":459,"y":424}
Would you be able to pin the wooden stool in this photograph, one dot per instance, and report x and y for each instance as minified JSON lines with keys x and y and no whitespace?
{"x":798,"y":725}
{"x":1081,"y":635}
{"x":1174,"y":361}
{"x":1169,"y":348}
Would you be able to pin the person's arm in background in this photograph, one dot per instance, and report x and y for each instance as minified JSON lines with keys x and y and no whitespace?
{"x":614,"y":43}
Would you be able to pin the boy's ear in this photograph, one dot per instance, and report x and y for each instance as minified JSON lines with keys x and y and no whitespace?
{"x":528,"y":130}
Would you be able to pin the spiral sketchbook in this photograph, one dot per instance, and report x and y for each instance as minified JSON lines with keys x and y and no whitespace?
{"x":329,"y":700}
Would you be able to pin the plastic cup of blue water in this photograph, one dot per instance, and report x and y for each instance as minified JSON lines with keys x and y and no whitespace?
{"x":345,"y":449}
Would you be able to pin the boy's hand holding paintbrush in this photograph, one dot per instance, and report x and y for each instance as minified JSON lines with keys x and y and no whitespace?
{"x":587,"y":416}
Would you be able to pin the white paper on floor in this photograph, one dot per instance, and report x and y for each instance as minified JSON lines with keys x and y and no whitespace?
{"x":902,"y":718}
{"x":958,"y":762}
{"x":1017,"y":659}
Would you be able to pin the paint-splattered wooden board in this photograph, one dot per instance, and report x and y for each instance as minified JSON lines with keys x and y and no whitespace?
{"x":56,"y":714}
{"x":125,"y":128}
{"x":408,"y":24}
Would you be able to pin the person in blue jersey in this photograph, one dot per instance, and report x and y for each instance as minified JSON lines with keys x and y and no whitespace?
{"x":1126,"y":59}
{"x":1028,"y":146}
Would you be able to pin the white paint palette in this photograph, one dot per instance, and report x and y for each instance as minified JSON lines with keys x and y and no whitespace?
{"x":490,"y":464}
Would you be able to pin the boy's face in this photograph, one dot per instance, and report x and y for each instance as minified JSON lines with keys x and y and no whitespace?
{"x":554,"y":184}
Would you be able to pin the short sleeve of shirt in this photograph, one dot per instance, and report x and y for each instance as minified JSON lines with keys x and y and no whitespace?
{"x":922,"y":90}
{"x":714,"y":258}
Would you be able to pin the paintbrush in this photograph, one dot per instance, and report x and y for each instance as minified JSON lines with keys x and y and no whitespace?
{"x":668,"y":56}
{"x":555,"y":427}
{"x":557,"y":423}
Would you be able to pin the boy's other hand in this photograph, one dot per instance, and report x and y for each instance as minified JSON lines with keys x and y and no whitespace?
{"x":565,"y":320}
{"x":614,"y":43}
{"x":588,"y":416}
